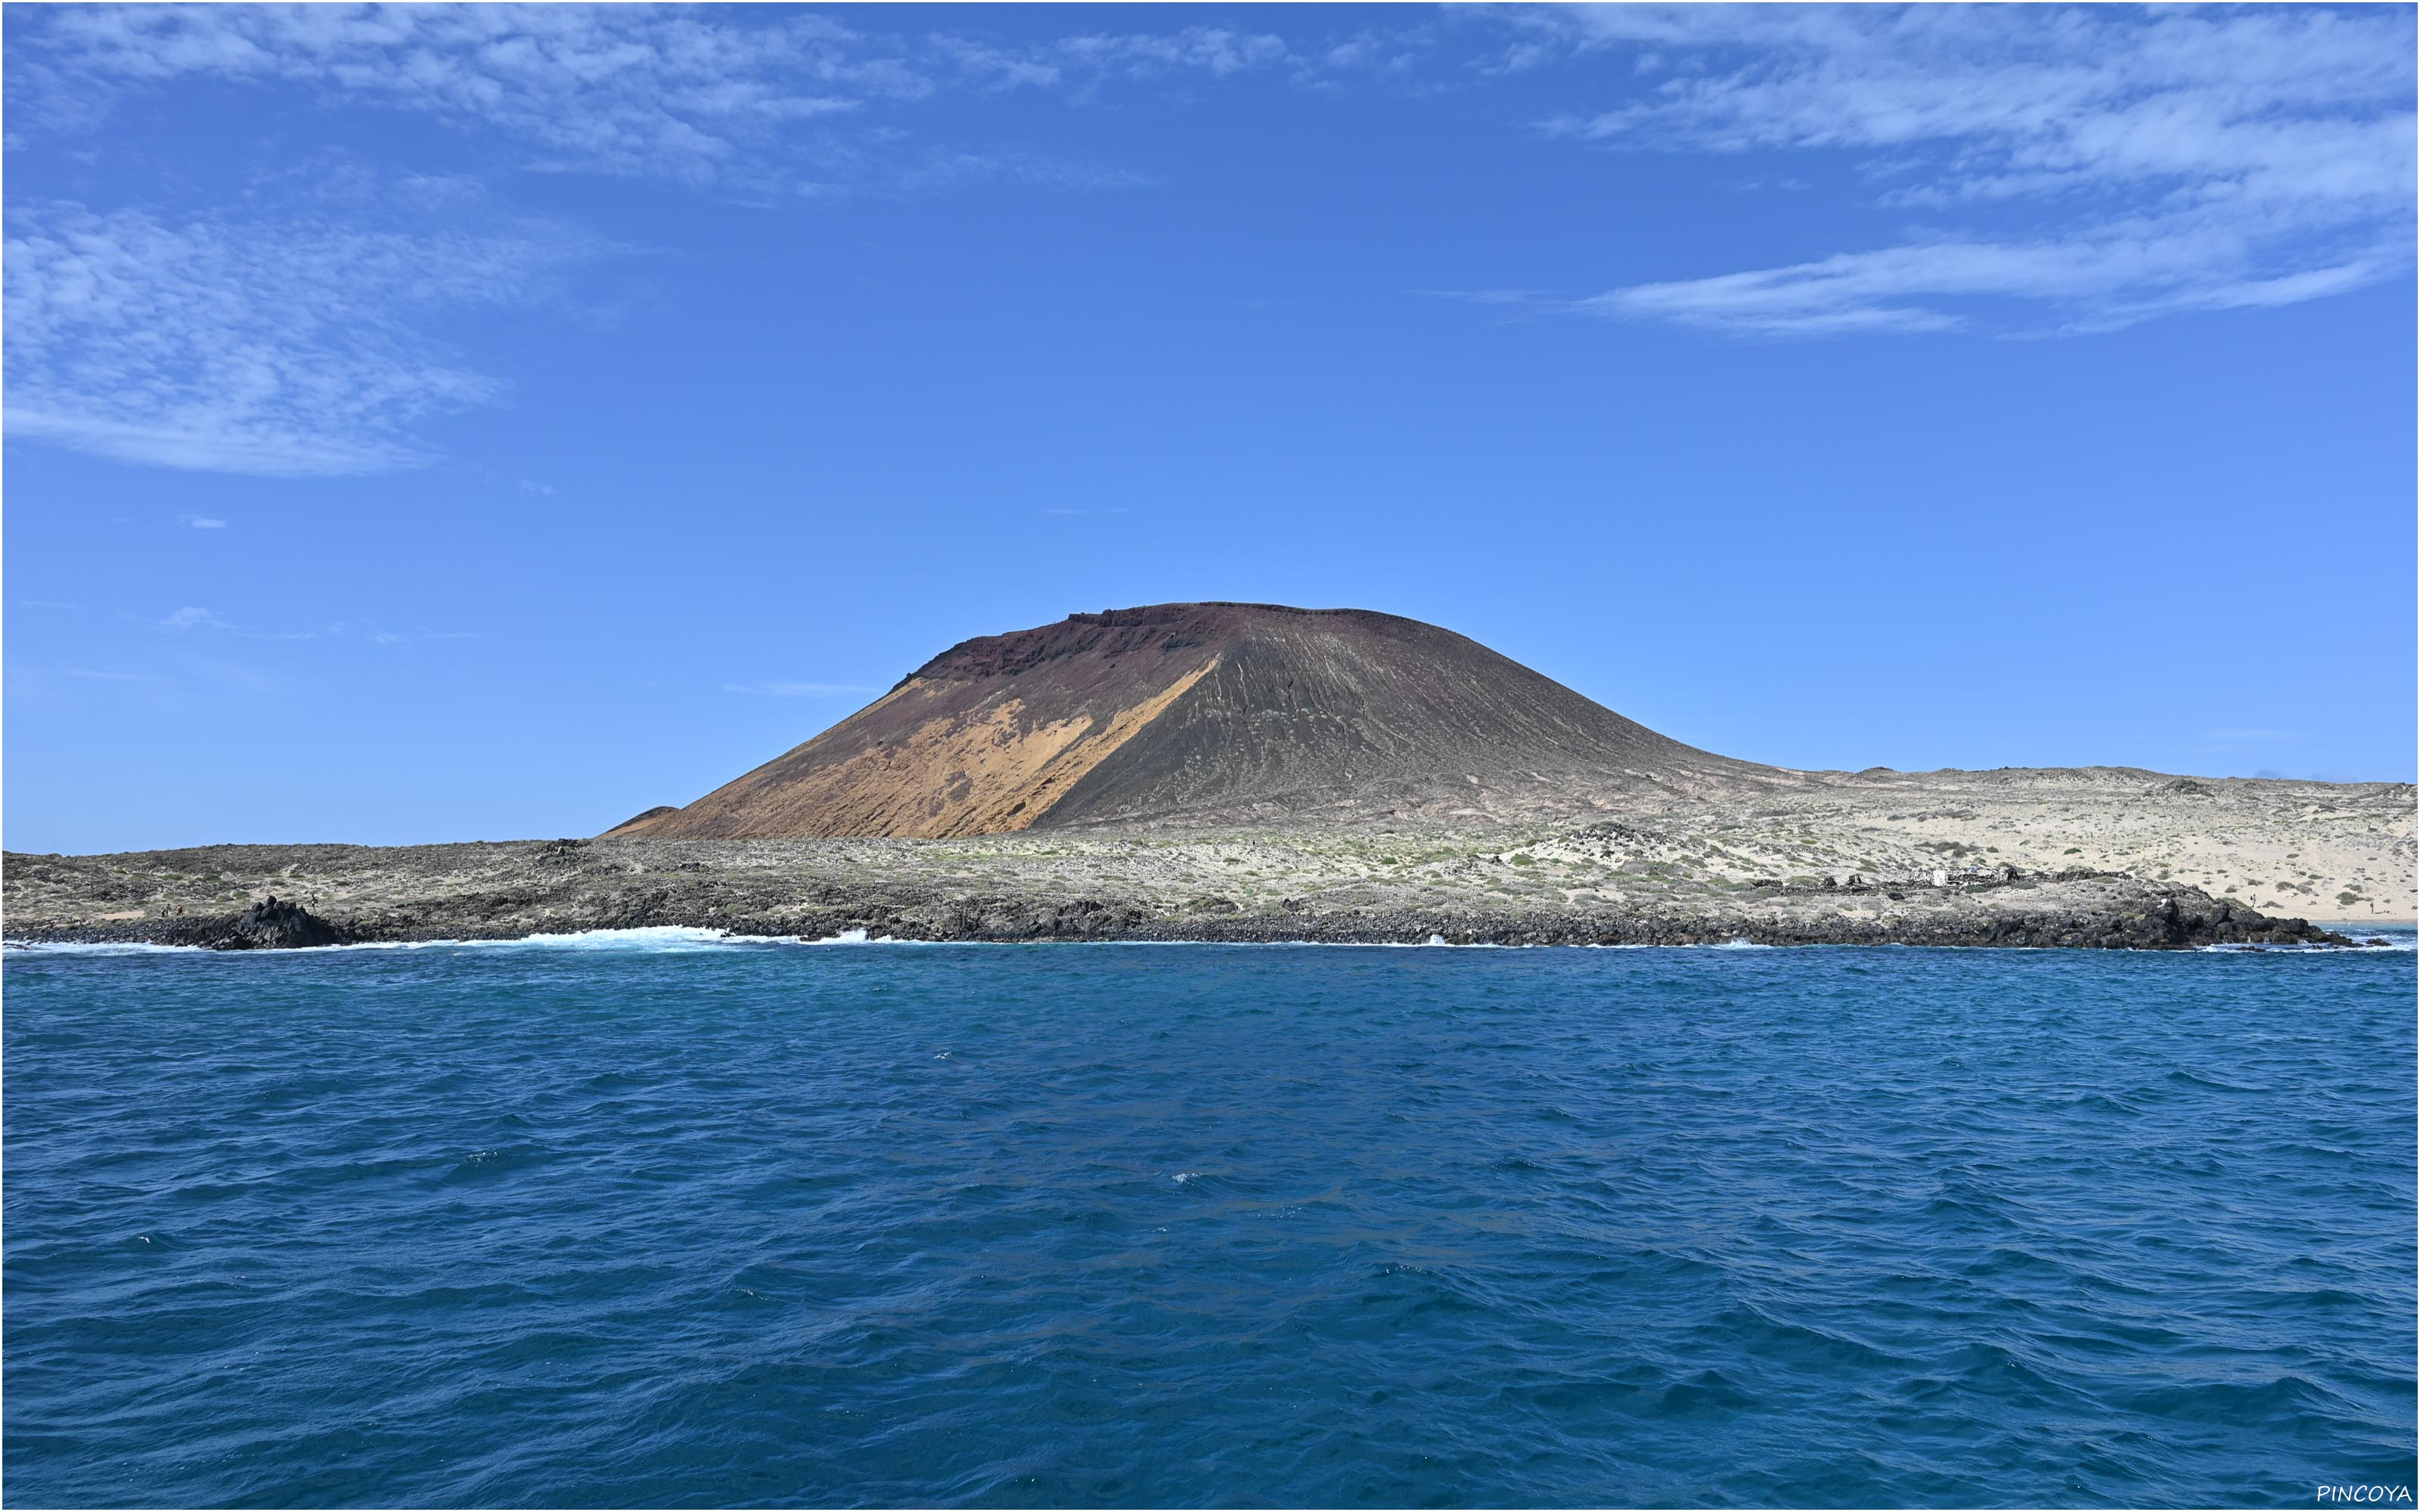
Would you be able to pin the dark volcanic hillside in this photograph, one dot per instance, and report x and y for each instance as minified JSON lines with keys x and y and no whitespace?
{"x":1204,"y":714}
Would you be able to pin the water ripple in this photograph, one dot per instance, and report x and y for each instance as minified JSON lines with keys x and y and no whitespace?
{"x":679,"y":1221}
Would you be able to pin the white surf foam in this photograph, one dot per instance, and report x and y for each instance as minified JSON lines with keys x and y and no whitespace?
{"x":2404,"y":944}
{"x":858,"y":936}
{"x":96,"y":948}
{"x":658,"y":938}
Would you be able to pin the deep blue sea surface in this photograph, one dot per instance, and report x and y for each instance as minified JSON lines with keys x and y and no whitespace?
{"x":659,"y":1221}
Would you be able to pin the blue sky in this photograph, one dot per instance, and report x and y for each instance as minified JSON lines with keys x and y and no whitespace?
{"x":465,"y":422}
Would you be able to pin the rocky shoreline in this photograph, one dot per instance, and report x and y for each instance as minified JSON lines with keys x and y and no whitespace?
{"x":274,"y":897}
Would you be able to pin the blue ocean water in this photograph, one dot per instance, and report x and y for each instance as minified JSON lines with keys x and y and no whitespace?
{"x":667,"y":1221}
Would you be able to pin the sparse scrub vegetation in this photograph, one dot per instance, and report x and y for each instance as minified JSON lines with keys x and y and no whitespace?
{"x":1657,"y":859}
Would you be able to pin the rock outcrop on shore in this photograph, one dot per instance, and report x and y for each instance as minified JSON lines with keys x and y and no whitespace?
{"x":266,"y":925}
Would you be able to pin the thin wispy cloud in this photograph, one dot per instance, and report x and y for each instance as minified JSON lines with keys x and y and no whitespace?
{"x":190,"y":618}
{"x":797,"y":690}
{"x":1509,"y":296}
{"x":637,"y":91}
{"x":288,"y":346}
{"x":204,"y":522}
{"x":2026,"y":172}
{"x":2159,"y":162}
{"x":941,"y":167}
{"x":1213,"y":50}
{"x":772,"y":100}
{"x":296,"y":340}
{"x":1087,"y":61}
{"x":193,"y":618}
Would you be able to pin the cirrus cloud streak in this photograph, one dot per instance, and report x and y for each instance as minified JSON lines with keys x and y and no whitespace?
{"x":2158,"y":161}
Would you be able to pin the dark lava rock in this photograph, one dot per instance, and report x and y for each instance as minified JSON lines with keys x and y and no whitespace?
{"x":266,"y":925}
